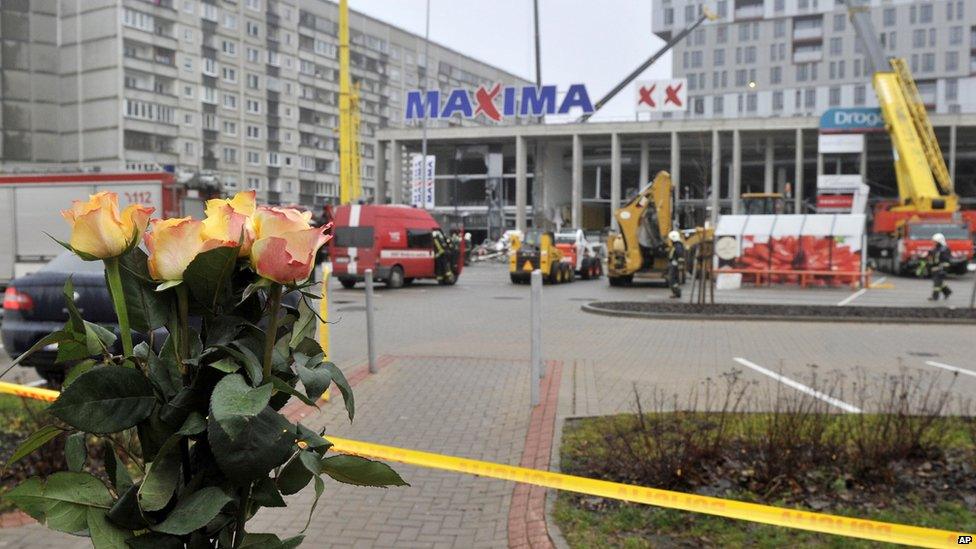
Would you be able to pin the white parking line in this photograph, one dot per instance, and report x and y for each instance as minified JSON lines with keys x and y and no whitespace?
{"x":852,"y":297}
{"x":951,"y":368}
{"x":799,"y":386}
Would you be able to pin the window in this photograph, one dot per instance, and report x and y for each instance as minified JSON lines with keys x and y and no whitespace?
{"x":696,"y":59}
{"x":841,"y":66}
{"x":188,"y":6}
{"x":669,"y":16}
{"x":253,"y":132}
{"x":254,"y":5}
{"x":210,"y":12}
{"x":836,"y":45}
{"x":951,"y":89}
{"x":840,"y":22}
{"x":859,"y":94}
{"x":188,"y":35}
{"x":144,"y":110}
{"x":209,"y":121}
{"x":138,"y":20}
{"x":354,"y":237}
{"x":779,"y":28}
{"x":229,"y":47}
{"x":721,"y":34}
{"x":253,"y":158}
{"x":254,"y":183}
{"x":420,"y":239}
{"x":274,"y":58}
{"x":230,"y":128}
{"x":931,"y":37}
{"x":802,"y":73}
{"x":743,"y":32}
{"x":187,"y":119}
{"x":955,"y":36}
{"x":253,"y":81}
{"x":810,"y":98}
{"x":209,"y":95}
{"x":776,"y":75}
{"x":918,"y":38}
{"x":230,"y":155}
{"x":750,"y":54}
{"x":253,"y":55}
{"x":230,"y":21}
{"x":777,"y":101}
{"x":718,"y":57}
{"x":751,"y":102}
{"x":209,"y":66}
{"x":925,"y":13}
{"x":188,"y":91}
{"x":834,"y":96}
{"x":188,"y":148}
{"x":253,"y":29}
{"x":741,"y":77}
{"x":889,"y":17}
{"x":229,"y":75}
{"x":274,"y":159}
{"x":253,"y":106}
{"x":230,"y":101}
{"x":952,"y":61}
{"x":928,"y":62}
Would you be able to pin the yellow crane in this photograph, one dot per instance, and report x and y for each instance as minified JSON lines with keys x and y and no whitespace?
{"x":349,"y":174}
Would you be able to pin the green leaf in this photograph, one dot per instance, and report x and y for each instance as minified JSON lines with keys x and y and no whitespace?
{"x":153,"y":540}
{"x":315,"y":379}
{"x":75,"y":451}
{"x":319,"y":488}
{"x":97,"y":339}
{"x":125,"y":513}
{"x":62,"y":500}
{"x":167,"y":285}
{"x":77,"y":370}
{"x":262,"y":442}
{"x":194,"y":424}
{"x":105,"y":535}
{"x":361,"y":471}
{"x":209,"y":274}
{"x":270,"y":541}
{"x":147,"y":309}
{"x":313,"y":439}
{"x":164,"y":370}
{"x":293,"y":477}
{"x":75,"y":322}
{"x":265,"y":493}
{"x":233,"y":397}
{"x":55,"y":337}
{"x":225,"y":365}
{"x":261,"y":283}
{"x":194,"y":511}
{"x":340,"y":380}
{"x":304,"y":326}
{"x":284,"y":387}
{"x":37,"y":439}
{"x":244,"y":355}
{"x":162,"y":477}
{"x":118,"y":475}
{"x":105,"y":400}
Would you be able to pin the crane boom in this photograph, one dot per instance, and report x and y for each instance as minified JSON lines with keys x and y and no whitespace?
{"x":924,"y":183}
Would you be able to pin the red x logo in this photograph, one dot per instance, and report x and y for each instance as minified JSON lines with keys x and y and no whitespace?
{"x":486,"y":102}
{"x":672,"y":95}
{"x":645,"y":96}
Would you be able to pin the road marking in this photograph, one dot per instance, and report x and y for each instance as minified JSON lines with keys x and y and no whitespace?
{"x":36,"y":383}
{"x":799,"y":386}
{"x":852,"y":297}
{"x":951,"y":368}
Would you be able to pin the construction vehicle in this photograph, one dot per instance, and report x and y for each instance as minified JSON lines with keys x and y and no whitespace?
{"x":927,"y":202}
{"x":640,"y":248}
{"x":350,"y":186}
{"x":538,"y":251}
{"x":578,"y":252}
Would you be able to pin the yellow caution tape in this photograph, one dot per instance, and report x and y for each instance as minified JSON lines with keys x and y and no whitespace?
{"x":754,"y":512}
{"x":28,"y":392}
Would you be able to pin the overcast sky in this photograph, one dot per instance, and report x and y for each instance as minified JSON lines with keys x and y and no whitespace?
{"x":596,"y":43}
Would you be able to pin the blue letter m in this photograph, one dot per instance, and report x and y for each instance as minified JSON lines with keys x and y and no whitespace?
{"x":418,"y":108}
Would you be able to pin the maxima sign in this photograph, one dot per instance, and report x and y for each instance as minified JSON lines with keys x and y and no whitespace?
{"x":495,"y":102}
{"x":857,"y":120}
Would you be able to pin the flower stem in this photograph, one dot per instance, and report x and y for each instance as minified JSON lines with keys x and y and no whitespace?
{"x":274,"y":303}
{"x":118,"y":300}
{"x":183,"y":324}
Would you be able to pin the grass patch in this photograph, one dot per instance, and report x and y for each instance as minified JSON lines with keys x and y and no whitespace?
{"x":910,"y":458}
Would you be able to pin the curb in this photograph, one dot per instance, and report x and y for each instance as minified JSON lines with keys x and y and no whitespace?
{"x":13,"y":519}
{"x":589,"y":308}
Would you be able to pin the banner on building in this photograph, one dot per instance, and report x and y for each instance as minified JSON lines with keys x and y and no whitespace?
{"x":661,"y":95}
{"x":422,"y":181}
{"x":841,"y":143}
{"x":854,"y":120}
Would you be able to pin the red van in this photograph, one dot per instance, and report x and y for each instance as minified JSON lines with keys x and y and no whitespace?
{"x":395,"y":241}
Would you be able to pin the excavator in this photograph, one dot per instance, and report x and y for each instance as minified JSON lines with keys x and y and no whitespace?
{"x":640,"y":248}
{"x":927,"y":203}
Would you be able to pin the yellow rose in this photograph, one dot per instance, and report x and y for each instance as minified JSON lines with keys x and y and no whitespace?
{"x":98,"y":229}
{"x":230,"y":219}
{"x":290,"y":257}
{"x":174,"y":243}
{"x":270,"y":221}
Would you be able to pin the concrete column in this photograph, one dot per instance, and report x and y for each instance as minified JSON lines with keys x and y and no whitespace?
{"x":736,"y":191}
{"x":521,"y":185}
{"x":798,"y":174}
{"x":381,"y":172}
{"x":396,"y":172}
{"x":614,"y":179}
{"x":676,"y":163}
{"x":716,"y":176}
{"x":864,"y":160}
{"x":770,"y":164}
{"x":577,"y":204}
{"x":645,"y":176}
{"x":952,"y":153}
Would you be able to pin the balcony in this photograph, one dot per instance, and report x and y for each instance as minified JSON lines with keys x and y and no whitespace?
{"x":808,"y":33}
{"x":751,"y":11}
{"x":807,"y":55}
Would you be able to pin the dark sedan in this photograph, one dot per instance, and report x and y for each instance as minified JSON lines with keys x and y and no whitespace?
{"x":34,"y":306}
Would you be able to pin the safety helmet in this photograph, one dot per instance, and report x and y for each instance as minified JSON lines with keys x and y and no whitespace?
{"x":674,"y":236}
{"x":940,"y":238}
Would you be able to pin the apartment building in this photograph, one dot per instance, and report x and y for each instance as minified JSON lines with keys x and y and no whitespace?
{"x":802,"y":57}
{"x":237,"y":93}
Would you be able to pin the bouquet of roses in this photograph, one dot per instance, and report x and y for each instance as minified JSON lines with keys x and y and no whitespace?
{"x":186,"y":415}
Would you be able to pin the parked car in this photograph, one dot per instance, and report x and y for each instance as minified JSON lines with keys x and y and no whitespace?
{"x":33,"y":307}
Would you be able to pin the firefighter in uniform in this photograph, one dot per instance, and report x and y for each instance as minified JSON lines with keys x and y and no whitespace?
{"x":440,"y":255}
{"x":939,"y":259}
{"x":676,"y":256}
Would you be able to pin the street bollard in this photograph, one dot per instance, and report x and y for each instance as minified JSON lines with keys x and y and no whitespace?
{"x":370,"y":350}
{"x":324,"y":319}
{"x":536,"y":357}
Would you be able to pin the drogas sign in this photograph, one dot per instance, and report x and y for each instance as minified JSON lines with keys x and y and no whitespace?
{"x":496,"y":102}
{"x":857,"y":120}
